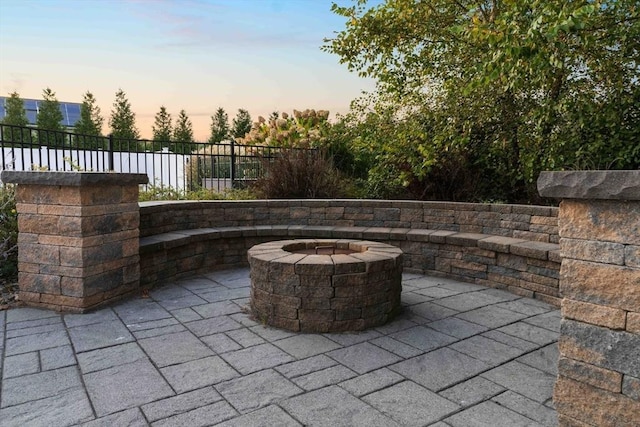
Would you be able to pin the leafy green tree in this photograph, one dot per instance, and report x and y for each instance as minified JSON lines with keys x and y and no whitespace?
{"x":123,"y":123}
{"x":183,"y":134}
{"x":162,"y":129}
{"x":219,"y":126}
{"x":49,"y":118}
{"x":90,"y":123}
{"x":241,"y":124}
{"x":15,"y":115}
{"x":493,"y":92}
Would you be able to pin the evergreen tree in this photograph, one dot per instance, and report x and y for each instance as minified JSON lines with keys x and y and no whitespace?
{"x":241,"y":124}
{"x":219,"y":126}
{"x":90,"y":123}
{"x":162,"y":129}
{"x":123,"y":123}
{"x":15,"y":115}
{"x":49,"y":118}
{"x":183,"y":134}
{"x":14,"y":112}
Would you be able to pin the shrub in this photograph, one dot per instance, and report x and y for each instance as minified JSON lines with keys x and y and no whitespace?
{"x":301,"y":174}
{"x":8,"y":235}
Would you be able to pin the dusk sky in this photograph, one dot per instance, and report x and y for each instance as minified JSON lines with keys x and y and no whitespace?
{"x":196,"y":55}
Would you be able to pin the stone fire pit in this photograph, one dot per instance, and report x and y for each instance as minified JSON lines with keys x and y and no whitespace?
{"x":318,"y":285}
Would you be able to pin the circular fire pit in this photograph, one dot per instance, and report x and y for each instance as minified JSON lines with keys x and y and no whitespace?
{"x":319,"y":285}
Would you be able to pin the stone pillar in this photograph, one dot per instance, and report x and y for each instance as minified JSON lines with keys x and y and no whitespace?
{"x":599,"y":226}
{"x":78,"y":237}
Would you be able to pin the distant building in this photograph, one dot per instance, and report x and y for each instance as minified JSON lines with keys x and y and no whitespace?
{"x":70,"y":111}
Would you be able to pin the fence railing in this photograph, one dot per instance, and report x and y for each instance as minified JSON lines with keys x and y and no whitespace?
{"x":179,"y":165}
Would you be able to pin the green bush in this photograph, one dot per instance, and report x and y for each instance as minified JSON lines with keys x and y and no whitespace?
{"x":301,"y":174}
{"x":154,"y":192}
{"x":8,"y":235}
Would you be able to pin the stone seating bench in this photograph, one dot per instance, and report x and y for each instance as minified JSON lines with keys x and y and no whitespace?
{"x":523,"y":267}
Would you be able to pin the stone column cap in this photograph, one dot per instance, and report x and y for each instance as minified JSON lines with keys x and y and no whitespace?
{"x":603,"y":185}
{"x":71,"y":178}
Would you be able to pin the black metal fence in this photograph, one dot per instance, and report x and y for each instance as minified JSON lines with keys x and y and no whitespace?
{"x":184,"y":166}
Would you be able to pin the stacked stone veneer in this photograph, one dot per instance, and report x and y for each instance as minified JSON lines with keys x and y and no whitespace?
{"x":325,"y":293}
{"x":78,"y":237}
{"x":599,"y":368}
{"x":514,"y":247}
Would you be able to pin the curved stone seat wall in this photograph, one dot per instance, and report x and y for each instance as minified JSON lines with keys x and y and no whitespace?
{"x":506,"y":246}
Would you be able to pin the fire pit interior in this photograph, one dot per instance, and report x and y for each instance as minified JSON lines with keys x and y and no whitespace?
{"x":318,"y":285}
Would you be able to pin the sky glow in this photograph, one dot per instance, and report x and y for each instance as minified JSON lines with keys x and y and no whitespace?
{"x":196,"y":55}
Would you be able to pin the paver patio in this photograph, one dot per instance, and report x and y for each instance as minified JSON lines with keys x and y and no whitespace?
{"x":190,"y":355}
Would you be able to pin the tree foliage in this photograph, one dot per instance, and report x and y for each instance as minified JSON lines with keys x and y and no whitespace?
{"x":91,"y":119}
{"x":241,"y":124}
{"x":123,"y":123}
{"x":15,"y":115}
{"x":219,"y":126}
{"x":183,"y":134}
{"x":49,"y":118}
{"x":162,"y":129}
{"x":485,"y":95}
{"x":90,"y":124}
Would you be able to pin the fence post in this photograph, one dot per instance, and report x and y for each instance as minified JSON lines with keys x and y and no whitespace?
{"x":233,"y":162}
{"x":110,"y":152}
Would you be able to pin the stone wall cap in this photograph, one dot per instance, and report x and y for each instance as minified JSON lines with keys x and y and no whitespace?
{"x":601,"y":185}
{"x":72,"y":179}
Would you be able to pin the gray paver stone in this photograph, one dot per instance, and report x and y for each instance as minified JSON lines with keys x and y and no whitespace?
{"x":306,"y":366}
{"x":175,"y":348}
{"x":423,"y":338}
{"x":491,"y":317}
{"x":198,"y":373}
{"x":431,"y":311}
{"x":527,"y":407}
{"x":472,"y":391}
{"x":334,"y":407}
{"x":216,"y":309}
{"x":549,"y":321}
{"x":256,"y":358}
{"x":57,"y":357}
{"x":130,"y":418}
{"x":100,"y":316}
{"x":523,"y":379}
{"x":100,"y":335}
{"x":32,"y":330}
{"x":220,"y":343}
{"x":140,"y":310}
{"x":202,"y":416}
{"x":153,"y":324}
{"x":184,"y":315}
{"x":363,"y":357}
{"x":370,"y":382}
{"x":489,"y":414}
{"x":181,"y":403}
{"x":166,"y":330}
{"x":457,"y":327}
{"x":396,"y":347}
{"x":257,"y":390}
{"x":109,"y":357}
{"x":410,"y":404}
{"x":27,"y":313}
{"x":530,"y":332}
{"x":68,"y":407}
{"x":510,"y":340}
{"x":306,"y":345}
{"x":35,"y":342}
{"x":487,"y":350}
{"x":245,"y":337}
{"x":265,"y":417}
{"x":39,"y":385}
{"x":326,"y":377}
{"x":212,"y":325}
{"x":440,"y":368}
{"x":112,"y":390}
{"x":545,"y":359}
{"x":20,"y":364}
